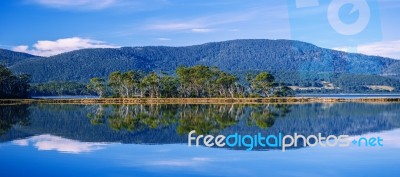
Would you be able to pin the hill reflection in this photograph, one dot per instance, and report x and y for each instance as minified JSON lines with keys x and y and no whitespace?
{"x":169,"y":124}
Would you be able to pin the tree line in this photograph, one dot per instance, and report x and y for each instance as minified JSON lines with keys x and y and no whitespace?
{"x":188,"y":82}
{"x":59,"y":88}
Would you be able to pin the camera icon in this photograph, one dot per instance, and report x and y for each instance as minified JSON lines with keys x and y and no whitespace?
{"x":334,"y":23}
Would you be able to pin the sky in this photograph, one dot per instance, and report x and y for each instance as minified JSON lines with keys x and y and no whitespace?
{"x":49,"y":27}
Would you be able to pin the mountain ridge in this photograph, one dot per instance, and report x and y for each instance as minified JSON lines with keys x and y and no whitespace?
{"x":289,"y":60}
{"x":8,"y":57}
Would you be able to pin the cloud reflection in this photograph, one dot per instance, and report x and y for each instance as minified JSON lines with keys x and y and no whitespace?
{"x":49,"y":142}
{"x":390,"y":138}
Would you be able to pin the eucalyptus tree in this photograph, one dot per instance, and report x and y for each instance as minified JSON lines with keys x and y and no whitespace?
{"x":169,"y":87}
{"x":196,"y":81}
{"x":125,"y":84}
{"x":115,"y":82}
{"x":200,"y":78}
{"x":97,"y":85}
{"x":262,"y":83}
{"x":184,"y":81}
{"x":226,"y":84}
{"x":151,"y":84}
{"x":131,"y":82}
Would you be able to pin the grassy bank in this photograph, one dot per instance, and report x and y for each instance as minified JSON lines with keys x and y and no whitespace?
{"x":196,"y":100}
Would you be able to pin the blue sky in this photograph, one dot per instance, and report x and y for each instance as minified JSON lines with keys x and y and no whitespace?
{"x":48,"y":27}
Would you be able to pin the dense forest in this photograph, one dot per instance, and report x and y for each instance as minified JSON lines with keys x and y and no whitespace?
{"x":295,"y":63}
{"x":190,"y":82}
{"x":9,"y":58}
{"x":13,"y":86}
{"x":59,"y":88}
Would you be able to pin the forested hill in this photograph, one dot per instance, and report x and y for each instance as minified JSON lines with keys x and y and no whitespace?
{"x":9,"y":58}
{"x":289,"y":61}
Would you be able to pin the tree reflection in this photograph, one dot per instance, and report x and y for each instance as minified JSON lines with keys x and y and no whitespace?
{"x":13,"y":115}
{"x":264,"y":116}
{"x":208,"y":119}
{"x":97,"y":116}
{"x":133,"y":117}
{"x":205,"y":119}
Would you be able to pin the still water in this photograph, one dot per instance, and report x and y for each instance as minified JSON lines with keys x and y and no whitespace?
{"x":151,"y":140}
{"x":351,"y":95}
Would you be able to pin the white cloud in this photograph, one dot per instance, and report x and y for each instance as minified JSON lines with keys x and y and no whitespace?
{"x":163,"y":39}
{"x":49,"y":48}
{"x":233,"y":30}
{"x":203,"y":24}
{"x":174,"y":26}
{"x":386,"y":49}
{"x":23,"y":142}
{"x":50,"y":142}
{"x":21,"y":48}
{"x":343,"y":49}
{"x":122,"y":5}
{"x":389,"y":49}
{"x":390,"y":137}
{"x":202,"y":30}
{"x":81,"y":4}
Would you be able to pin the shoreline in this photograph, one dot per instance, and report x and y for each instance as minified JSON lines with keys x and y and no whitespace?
{"x":282,"y":100}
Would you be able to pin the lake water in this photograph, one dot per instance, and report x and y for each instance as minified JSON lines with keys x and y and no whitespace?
{"x":350,"y":95}
{"x":343,"y":95}
{"x":151,"y":140}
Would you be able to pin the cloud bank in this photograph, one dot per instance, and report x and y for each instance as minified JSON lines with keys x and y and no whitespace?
{"x":49,"y":48}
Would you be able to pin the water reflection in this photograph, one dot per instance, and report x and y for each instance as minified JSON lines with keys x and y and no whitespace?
{"x":12,"y":115}
{"x":169,"y":124}
{"x":205,"y":119}
{"x":89,"y":136}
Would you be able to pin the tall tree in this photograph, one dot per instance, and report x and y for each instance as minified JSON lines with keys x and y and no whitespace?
{"x":184,"y":81}
{"x":151,"y":84}
{"x":115,"y":82}
{"x":169,"y":86}
{"x":262,"y":83}
{"x":97,"y":85}
{"x":196,"y":81}
{"x":131,"y":82}
{"x":226,"y":84}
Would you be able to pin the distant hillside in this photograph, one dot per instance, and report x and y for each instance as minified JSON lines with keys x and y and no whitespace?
{"x":9,"y":58}
{"x":392,"y":70}
{"x":293,"y":62}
